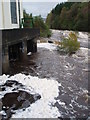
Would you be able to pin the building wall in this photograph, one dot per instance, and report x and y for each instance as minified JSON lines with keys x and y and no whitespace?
{"x":21,"y":8}
{"x":1,"y":16}
{"x":5,"y":15}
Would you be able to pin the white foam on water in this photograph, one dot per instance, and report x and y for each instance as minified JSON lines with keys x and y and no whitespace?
{"x":29,"y":53}
{"x":48,"y":46}
{"x":48,"y":89}
{"x":83,"y":35}
{"x":82,"y":52}
{"x":61,"y":103}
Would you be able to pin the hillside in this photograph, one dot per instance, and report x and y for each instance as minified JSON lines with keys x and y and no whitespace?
{"x":69,"y":15}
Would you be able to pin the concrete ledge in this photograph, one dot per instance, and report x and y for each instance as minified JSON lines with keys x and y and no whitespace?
{"x":14,"y":36}
{"x":12,"y":41}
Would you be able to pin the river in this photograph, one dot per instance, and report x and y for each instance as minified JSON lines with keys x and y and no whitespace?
{"x":61,"y":80}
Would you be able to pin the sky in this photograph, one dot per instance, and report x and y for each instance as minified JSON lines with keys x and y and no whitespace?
{"x":37,"y":7}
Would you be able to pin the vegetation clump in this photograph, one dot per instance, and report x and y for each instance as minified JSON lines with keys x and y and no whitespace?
{"x":36,"y":22}
{"x":44,"y":29}
{"x":69,"y":45}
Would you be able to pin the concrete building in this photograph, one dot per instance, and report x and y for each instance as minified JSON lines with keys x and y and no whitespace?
{"x":11,"y":13}
{"x":15,"y":42}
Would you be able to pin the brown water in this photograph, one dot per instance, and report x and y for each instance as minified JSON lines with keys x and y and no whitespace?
{"x":70,"y":71}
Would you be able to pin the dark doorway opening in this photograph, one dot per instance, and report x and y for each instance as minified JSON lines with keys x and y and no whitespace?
{"x":15,"y":51}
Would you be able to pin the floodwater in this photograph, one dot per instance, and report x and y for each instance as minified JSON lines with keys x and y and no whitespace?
{"x":70,"y":71}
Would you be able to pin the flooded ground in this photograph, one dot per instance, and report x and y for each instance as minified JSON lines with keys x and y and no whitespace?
{"x":70,"y":100}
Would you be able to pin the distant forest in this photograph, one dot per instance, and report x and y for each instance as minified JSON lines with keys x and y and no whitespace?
{"x":70,"y":16}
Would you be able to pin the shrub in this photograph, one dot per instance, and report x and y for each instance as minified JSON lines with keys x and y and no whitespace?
{"x":69,"y":45}
{"x":44,"y":29}
{"x":36,"y":22}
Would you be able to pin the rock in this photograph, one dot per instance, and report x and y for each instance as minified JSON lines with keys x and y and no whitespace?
{"x":19,"y":100}
{"x":10,"y":83}
{"x":15,"y":100}
{"x":50,"y":41}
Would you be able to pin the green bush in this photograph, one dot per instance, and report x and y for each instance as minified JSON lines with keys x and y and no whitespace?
{"x":36,"y":22}
{"x":69,"y":45}
{"x":44,"y":29}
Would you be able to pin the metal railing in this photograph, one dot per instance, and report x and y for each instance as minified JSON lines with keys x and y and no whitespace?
{"x":26,"y":23}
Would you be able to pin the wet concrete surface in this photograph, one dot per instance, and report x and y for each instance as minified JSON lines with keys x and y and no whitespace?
{"x":70,"y":71}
